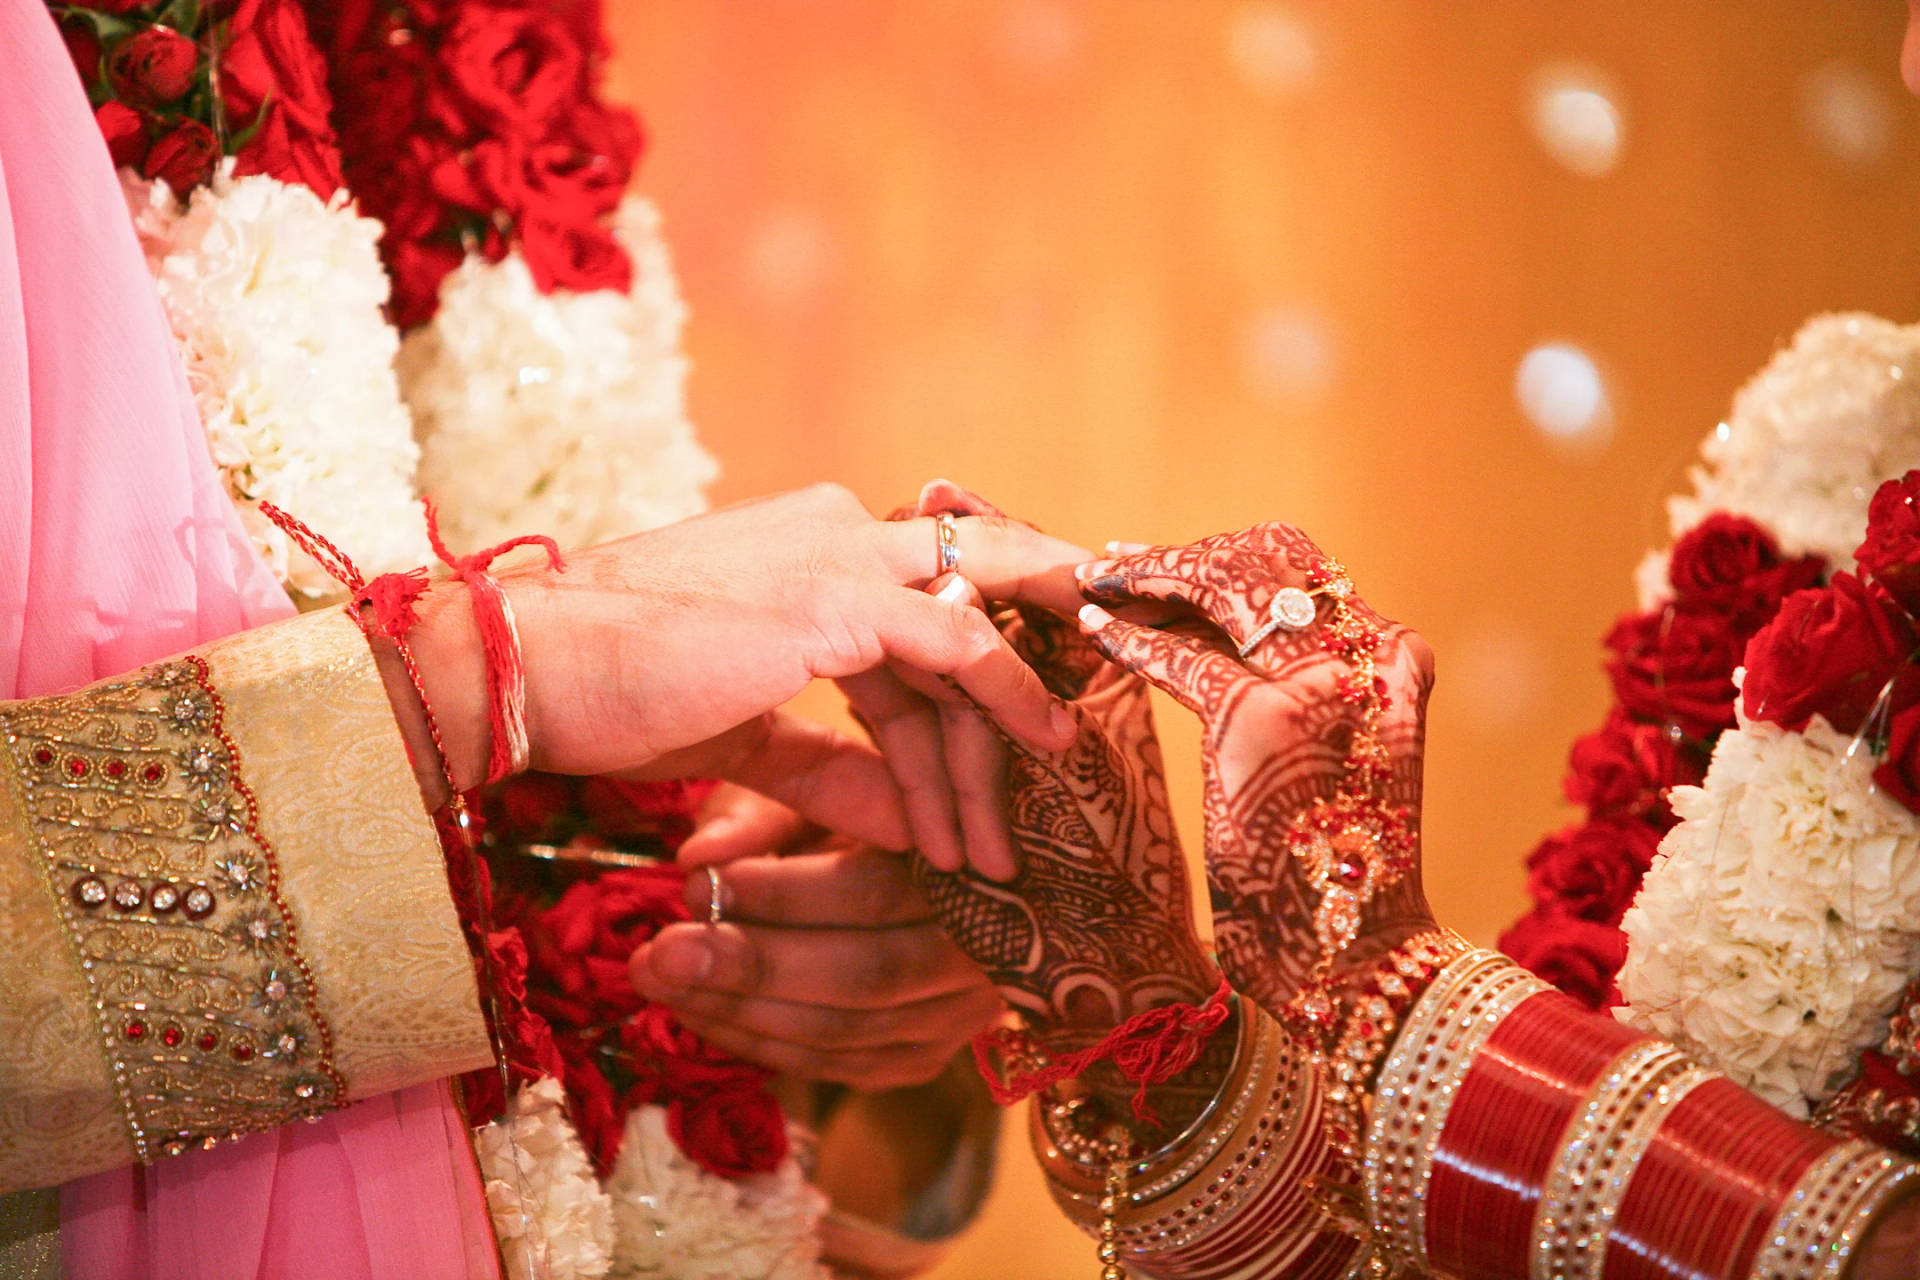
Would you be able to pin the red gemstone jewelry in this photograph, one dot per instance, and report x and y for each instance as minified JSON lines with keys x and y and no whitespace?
{"x":1355,"y":843}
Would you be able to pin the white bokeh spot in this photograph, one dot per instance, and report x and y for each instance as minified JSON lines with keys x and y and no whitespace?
{"x":1271,"y":49}
{"x":1576,"y":116}
{"x":1562,"y":392}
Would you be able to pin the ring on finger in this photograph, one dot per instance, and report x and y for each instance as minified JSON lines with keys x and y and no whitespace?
{"x":947,"y":546}
{"x":1297,"y":608}
{"x":716,"y":898}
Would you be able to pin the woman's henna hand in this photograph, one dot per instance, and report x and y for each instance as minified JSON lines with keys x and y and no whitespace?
{"x":1277,"y":734}
{"x":1096,"y":926}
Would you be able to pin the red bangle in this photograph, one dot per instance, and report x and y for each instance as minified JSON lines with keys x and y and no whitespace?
{"x":1507,"y":1126}
{"x":1710,"y":1185}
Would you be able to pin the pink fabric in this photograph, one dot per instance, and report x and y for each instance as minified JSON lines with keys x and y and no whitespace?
{"x":117,"y":547}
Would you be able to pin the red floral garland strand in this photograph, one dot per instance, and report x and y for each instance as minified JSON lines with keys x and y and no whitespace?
{"x":477,"y":125}
{"x":1672,"y":674}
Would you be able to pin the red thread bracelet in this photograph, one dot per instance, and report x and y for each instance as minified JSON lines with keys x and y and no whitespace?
{"x":385,"y":606}
{"x":500,"y":641}
{"x":1149,"y":1048}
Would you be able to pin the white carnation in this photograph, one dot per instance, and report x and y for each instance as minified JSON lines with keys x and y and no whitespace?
{"x":1813,"y":434}
{"x":562,"y":413}
{"x":275,"y":298}
{"x":549,"y":1213}
{"x":1781,"y":919}
{"x":675,"y":1221}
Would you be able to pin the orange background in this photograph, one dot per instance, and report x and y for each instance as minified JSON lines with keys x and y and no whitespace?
{"x":1150,"y":269}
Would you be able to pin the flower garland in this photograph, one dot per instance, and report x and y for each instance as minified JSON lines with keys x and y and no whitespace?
{"x":564,"y":412}
{"x":275,"y":298}
{"x":284,"y":160}
{"x":1769,"y":850}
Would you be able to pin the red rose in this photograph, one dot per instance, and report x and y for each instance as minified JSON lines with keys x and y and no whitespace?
{"x":580,"y":947}
{"x":1891,"y":553}
{"x":1731,"y":565}
{"x":1578,"y":956}
{"x":1593,"y":870}
{"x":152,"y":68}
{"x":1828,"y":652}
{"x":1625,"y":766}
{"x":270,"y":64}
{"x":1899,"y":771}
{"x":116,"y":6}
{"x":513,"y":69}
{"x":83,"y":46}
{"x":595,"y":1108}
{"x":417,"y":268}
{"x":1674,"y":666}
{"x":578,"y":256}
{"x":730,"y":1134}
{"x":184,"y":158}
{"x":125,"y":131}
{"x":579,"y":174}
{"x":669,"y":1061}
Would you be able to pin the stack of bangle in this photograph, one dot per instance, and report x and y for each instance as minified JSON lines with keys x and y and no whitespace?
{"x":1240,"y":1193}
{"x":1514,"y":1134}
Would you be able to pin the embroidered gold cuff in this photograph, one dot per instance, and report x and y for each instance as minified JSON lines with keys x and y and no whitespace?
{"x":234,"y":911}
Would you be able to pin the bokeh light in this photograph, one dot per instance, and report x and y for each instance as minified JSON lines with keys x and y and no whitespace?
{"x":1561,"y":391}
{"x":1271,"y":49}
{"x":1576,"y":115}
{"x":1847,"y":113}
{"x":1286,"y":355}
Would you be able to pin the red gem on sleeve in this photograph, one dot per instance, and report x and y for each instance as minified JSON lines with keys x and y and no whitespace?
{"x":208,"y":1041}
{"x":136,"y":1030}
{"x":172,"y":1036}
{"x":115,"y":769}
{"x":78,"y":768}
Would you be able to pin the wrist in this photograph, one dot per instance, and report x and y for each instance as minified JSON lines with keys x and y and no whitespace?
{"x":447,"y":657}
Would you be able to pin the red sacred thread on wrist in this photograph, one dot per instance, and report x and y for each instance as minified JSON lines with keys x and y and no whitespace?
{"x":500,"y":640}
{"x":1149,"y":1048}
{"x":385,"y":606}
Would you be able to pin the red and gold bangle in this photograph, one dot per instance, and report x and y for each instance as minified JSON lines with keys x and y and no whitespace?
{"x":1415,"y":1093}
{"x":1814,"y":1235}
{"x":1231,"y":1198}
{"x":1351,"y":1057}
{"x":1512,"y":1113}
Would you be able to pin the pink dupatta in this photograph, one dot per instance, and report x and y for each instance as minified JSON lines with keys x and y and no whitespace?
{"x":118,"y":547}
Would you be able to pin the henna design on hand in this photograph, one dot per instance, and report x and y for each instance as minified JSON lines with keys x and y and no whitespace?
{"x":1276,"y":739}
{"x":1095,"y":927}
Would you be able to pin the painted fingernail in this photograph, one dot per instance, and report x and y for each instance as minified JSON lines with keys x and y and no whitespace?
{"x":1093,"y":617}
{"x":955,"y":591}
{"x":683,"y":959}
{"x":1127,"y":548}
{"x":1092,"y":569}
{"x":1065,"y":726}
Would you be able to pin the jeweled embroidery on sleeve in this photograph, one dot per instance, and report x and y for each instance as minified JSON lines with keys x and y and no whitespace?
{"x":170,"y":895}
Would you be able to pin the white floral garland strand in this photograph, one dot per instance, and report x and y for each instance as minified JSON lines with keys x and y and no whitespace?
{"x":276,"y":300}
{"x":1811,"y":436}
{"x":659,"y":1217}
{"x":563,"y":413}
{"x":1780,"y":921}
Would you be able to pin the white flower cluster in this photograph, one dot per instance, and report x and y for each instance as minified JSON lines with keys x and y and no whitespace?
{"x":275,"y":298}
{"x":562,"y":413}
{"x":1781,"y":919}
{"x":1813,"y":434}
{"x":676,"y":1221}
{"x":549,"y":1213}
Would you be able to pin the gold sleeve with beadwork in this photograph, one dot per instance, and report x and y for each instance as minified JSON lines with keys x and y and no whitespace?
{"x":221,"y":906}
